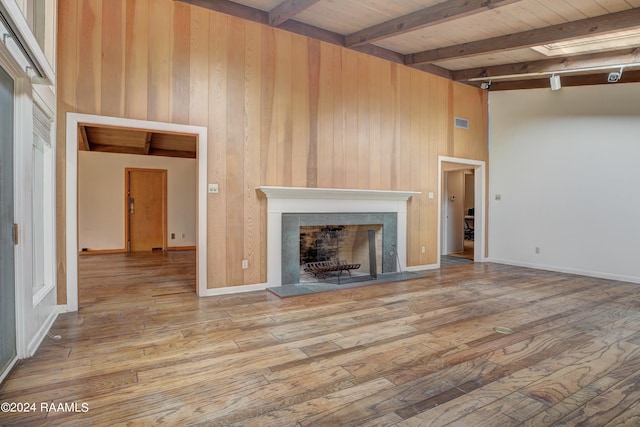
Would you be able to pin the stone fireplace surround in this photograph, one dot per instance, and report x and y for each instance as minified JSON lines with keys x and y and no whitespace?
{"x":301,"y":200}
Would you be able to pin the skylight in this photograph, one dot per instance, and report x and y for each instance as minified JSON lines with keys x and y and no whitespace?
{"x":612,"y":41}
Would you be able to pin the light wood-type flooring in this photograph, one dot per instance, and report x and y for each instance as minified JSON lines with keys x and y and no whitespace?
{"x":143,"y":349}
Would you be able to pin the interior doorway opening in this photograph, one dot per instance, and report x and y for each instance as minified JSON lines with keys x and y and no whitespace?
{"x":123,"y":207}
{"x":145,"y":139}
{"x":461,"y":224}
{"x":458,"y":213}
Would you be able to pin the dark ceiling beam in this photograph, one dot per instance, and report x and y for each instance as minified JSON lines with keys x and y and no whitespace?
{"x":564,"y":63}
{"x":566,"y":81}
{"x":566,"y":31}
{"x":83,"y":138}
{"x":287,"y":10}
{"x":172,"y":153}
{"x":147,"y":142}
{"x":312,"y":32}
{"x":99,"y":148}
{"x":437,"y":14}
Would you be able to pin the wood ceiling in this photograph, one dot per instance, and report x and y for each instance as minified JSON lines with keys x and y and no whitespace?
{"x":135,"y":141}
{"x":470,"y":41}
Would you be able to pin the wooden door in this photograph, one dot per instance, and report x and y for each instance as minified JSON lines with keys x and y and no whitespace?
{"x":146,"y":209}
{"x":7,"y":267}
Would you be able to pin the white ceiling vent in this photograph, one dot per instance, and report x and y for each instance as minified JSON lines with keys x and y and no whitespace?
{"x":462,"y":123}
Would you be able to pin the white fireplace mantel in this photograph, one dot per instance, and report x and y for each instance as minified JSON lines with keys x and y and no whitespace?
{"x":327,"y":200}
{"x":335,"y":193}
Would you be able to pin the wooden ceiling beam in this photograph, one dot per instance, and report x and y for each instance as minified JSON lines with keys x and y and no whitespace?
{"x":147,"y":143}
{"x":566,"y":31}
{"x":98,"y":148}
{"x":287,"y":10}
{"x":313,"y":32}
{"x":172,"y":153}
{"x":437,"y":14}
{"x":83,"y":139}
{"x":564,"y":63}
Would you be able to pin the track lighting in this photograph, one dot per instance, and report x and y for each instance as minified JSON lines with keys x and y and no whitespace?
{"x":615,"y":76}
{"x":554,"y":80}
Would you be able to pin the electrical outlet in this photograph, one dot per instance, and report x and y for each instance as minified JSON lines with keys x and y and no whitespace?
{"x":173,"y":236}
{"x":424,"y":250}
{"x":213,"y":188}
{"x":183,"y":235}
{"x":245,"y":264}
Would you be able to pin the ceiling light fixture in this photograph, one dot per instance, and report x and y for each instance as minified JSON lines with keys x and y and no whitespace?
{"x":485,"y":85}
{"x":615,"y":76}
{"x":555,"y":82}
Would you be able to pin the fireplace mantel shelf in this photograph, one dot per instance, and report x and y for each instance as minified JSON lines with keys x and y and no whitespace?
{"x":334,"y":193}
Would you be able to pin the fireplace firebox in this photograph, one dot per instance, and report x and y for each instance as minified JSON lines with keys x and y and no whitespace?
{"x":363,"y":243}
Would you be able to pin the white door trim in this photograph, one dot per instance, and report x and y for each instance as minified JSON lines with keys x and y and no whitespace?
{"x":22,"y":135}
{"x":479,"y":206}
{"x":73,"y":120}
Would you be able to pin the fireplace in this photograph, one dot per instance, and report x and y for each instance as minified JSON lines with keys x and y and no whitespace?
{"x":349,"y":252}
{"x":338,"y":237}
{"x":289,"y":208}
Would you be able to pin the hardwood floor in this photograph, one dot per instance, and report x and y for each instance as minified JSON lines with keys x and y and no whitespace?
{"x":143,"y":349}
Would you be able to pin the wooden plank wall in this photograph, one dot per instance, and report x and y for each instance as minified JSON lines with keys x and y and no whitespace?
{"x":281,"y":110}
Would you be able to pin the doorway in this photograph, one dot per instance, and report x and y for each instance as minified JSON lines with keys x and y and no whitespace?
{"x":146,"y":209}
{"x":73,"y":122}
{"x":7,"y":234}
{"x":458,"y":212}
{"x":463,"y":187}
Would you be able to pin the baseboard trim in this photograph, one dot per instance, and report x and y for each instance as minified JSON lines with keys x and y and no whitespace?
{"x":102,"y":251}
{"x":42,"y":332}
{"x":235,"y":289}
{"x":181,"y":248}
{"x":414,"y":268}
{"x":596,"y":274}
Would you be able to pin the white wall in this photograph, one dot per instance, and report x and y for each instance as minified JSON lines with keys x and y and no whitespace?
{"x":566,"y":166}
{"x":101,"y":206}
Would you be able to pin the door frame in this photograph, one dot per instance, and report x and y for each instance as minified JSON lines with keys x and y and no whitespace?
{"x":23,"y":103}
{"x":480,"y":180}
{"x":71,"y":187}
{"x":127,"y":217}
